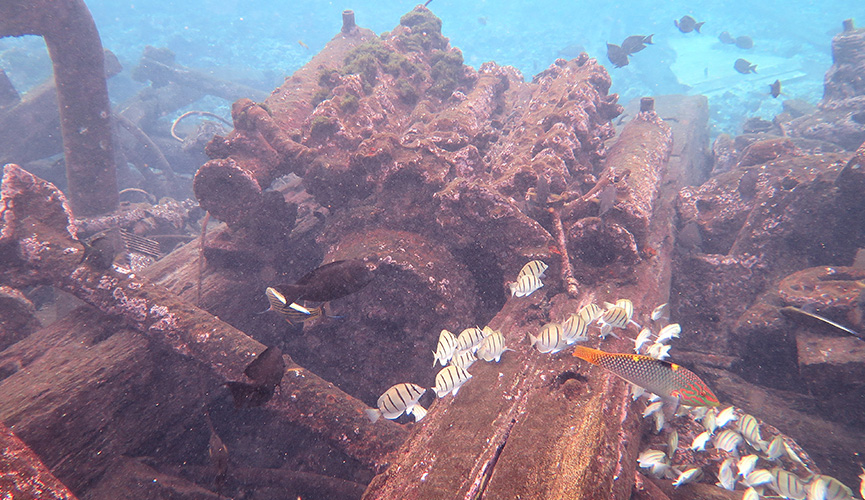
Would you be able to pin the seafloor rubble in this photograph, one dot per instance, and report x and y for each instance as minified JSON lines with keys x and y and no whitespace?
{"x":445,"y":180}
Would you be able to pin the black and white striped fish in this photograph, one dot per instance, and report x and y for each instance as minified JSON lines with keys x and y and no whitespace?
{"x":550,"y":339}
{"x":574,"y":329}
{"x":447,"y":344}
{"x":525,"y":286}
{"x":464,"y":359}
{"x":492,"y":347}
{"x":398,"y":399}
{"x":470,"y":339}
{"x":534,"y":268}
{"x":450,"y":379}
{"x":590,"y":312}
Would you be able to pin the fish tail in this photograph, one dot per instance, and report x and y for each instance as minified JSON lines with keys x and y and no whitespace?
{"x":698,"y":26}
{"x":419,"y":412}
{"x":373,"y":414}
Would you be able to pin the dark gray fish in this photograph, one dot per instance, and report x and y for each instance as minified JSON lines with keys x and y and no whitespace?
{"x":249,"y":395}
{"x":266,"y":370}
{"x":744,"y":42}
{"x":616,"y":55}
{"x":571,"y":51}
{"x":636,"y":43}
{"x":688,"y":24}
{"x":689,"y":237}
{"x":329,"y":282}
{"x":775,"y":88}
{"x":859,"y":263}
{"x":744,"y":67}
{"x":482,"y":20}
{"x":858,"y":117}
{"x":542,"y":190}
{"x":727,"y":38}
{"x":218,"y":453}
{"x":606,"y":199}
{"x":748,"y":185}
{"x":101,"y":249}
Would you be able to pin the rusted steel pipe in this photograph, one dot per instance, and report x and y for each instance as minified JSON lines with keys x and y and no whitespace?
{"x":85,"y":111}
{"x":636,"y":163}
{"x":37,"y":245}
{"x":23,"y":475}
{"x":348,"y":21}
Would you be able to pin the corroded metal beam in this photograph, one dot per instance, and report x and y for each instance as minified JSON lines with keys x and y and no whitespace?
{"x":38,"y":245}
{"x":85,"y":111}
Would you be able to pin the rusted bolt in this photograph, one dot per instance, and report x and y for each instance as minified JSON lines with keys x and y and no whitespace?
{"x":848,"y":25}
{"x":347,"y":20}
{"x":647,"y":104}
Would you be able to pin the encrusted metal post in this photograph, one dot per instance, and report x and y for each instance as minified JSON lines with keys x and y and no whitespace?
{"x":348,"y":20}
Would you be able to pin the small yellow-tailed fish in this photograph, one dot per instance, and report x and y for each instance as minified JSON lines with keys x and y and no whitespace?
{"x":667,"y":380}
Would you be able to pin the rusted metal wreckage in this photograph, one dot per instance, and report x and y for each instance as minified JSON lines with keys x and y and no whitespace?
{"x":422,"y":164}
{"x":446,"y":170}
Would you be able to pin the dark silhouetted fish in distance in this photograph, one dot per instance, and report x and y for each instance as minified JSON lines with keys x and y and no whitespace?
{"x":266,"y":371}
{"x":688,"y":238}
{"x":744,"y":42}
{"x":607,"y":199}
{"x":101,"y":249}
{"x":688,"y":24}
{"x":775,"y":88}
{"x":218,"y":453}
{"x":571,"y":51}
{"x":745,"y":67}
{"x":329,"y":282}
{"x":267,"y":368}
{"x":727,"y":38}
{"x":636,"y":43}
{"x":616,"y":55}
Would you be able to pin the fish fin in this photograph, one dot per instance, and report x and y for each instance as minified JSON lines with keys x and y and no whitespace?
{"x":248,"y":396}
{"x":373,"y":414}
{"x":671,"y":406}
{"x":291,"y":293}
{"x":419,"y":412}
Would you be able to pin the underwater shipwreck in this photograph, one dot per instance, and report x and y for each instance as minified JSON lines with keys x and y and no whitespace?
{"x":384,"y":193}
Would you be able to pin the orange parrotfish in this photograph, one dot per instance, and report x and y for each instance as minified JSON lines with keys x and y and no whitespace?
{"x":668,"y":380}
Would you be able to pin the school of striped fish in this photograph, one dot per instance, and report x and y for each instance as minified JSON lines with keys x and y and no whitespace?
{"x":456,"y":354}
{"x":758,"y":466}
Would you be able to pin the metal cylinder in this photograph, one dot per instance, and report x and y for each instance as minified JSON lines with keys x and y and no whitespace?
{"x":647,"y":104}
{"x":348,"y":21}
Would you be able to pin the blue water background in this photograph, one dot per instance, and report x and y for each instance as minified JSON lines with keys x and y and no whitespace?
{"x":259,"y":42}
